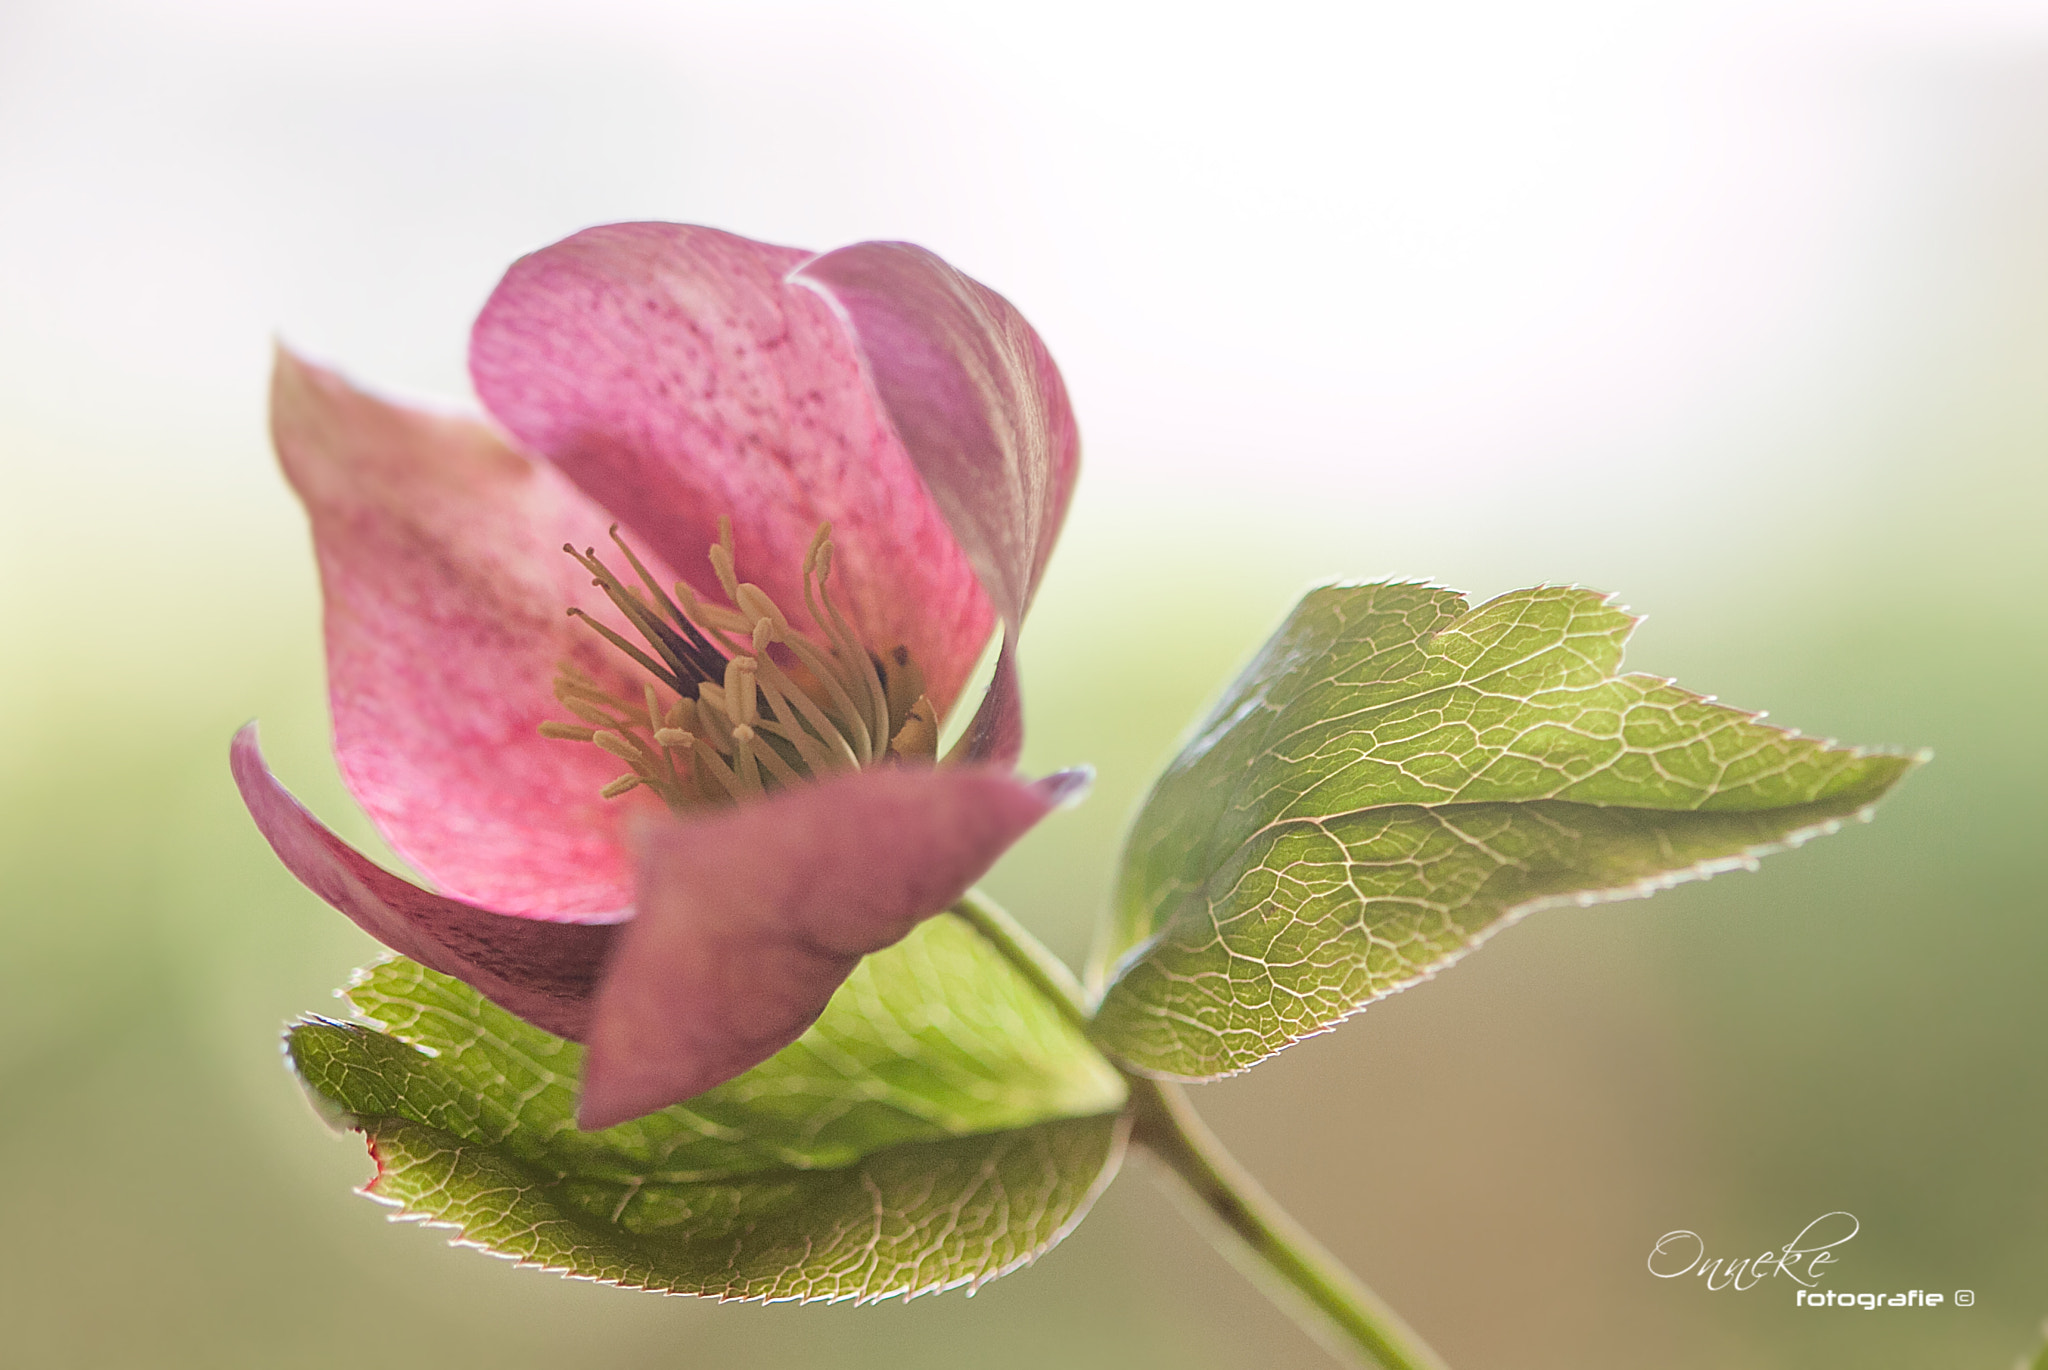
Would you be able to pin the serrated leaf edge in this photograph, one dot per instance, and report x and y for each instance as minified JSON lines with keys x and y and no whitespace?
{"x":1749,"y":858}
{"x":1111,"y":1166}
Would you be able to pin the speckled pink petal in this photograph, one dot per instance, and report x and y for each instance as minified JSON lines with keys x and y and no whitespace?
{"x":973,"y":393}
{"x":446,"y":590}
{"x":748,"y":921}
{"x":547,"y":973}
{"x":675,"y":375}
{"x":975,"y":397}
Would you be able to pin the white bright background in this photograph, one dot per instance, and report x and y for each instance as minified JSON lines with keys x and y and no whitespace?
{"x":1385,"y":253}
{"x":1707,"y":303}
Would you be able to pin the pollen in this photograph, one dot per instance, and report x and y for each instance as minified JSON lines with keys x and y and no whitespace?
{"x":735,"y":701}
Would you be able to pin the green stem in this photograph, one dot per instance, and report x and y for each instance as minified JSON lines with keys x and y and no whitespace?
{"x":1328,"y":1299}
{"x":1346,"y":1316}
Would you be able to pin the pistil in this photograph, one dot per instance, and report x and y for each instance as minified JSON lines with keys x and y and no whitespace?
{"x":756,"y":705}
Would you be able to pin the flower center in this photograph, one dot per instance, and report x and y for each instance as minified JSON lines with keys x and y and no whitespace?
{"x":739,"y":702}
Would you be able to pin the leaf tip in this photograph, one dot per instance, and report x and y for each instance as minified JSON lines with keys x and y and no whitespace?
{"x":329,"y":1110}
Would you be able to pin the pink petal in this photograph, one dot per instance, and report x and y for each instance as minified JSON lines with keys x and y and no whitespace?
{"x":673,"y":374}
{"x":996,"y":732}
{"x":748,"y":921}
{"x":446,"y":590}
{"x":973,"y":393}
{"x":544,"y":972}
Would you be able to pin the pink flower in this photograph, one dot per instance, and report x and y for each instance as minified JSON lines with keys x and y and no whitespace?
{"x":800,"y":491}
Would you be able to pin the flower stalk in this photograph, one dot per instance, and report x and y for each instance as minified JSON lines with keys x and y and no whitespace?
{"x":1331,"y":1303}
{"x":1279,"y":1255}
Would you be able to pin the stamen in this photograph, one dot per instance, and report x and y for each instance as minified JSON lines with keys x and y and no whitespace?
{"x":743,"y":752}
{"x":739,"y":690}
{"x":624,"y":746}
{"x":585,"y":710}
{"x":745,"y":718}
{"x":722,"y":563}
{"x":863,"y":748}
{"x":856,"y":751}
{"x":713,"y":718}
{"x":835,"y":627}
{"x":833,"y":751}
{"x":714,"y":765}
{"x":718,"y":622}
{"x":819,"y":540}
{"x":761,"y":609}
{"x":784,"y":773}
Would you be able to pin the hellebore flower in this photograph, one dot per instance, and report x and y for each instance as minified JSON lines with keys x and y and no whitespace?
{"x":783,"y":500}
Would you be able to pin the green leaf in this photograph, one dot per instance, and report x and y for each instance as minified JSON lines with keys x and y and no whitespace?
{"x":941,"y":1124}
{"x":1397,"y":776}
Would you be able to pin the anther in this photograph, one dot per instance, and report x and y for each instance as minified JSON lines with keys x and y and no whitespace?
{"x":622,"y":745}
{"x":722,"y":562}
{"x":820,"y":540}
{"x":758,"y":607}
{"x":739,"y":690}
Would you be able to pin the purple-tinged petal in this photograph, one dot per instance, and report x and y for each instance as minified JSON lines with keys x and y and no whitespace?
{"x":748,"y":921}
{"x":445,"y":586}
{"x":975,"y":398}
{"x":973,"y":393}
{"x":547,"y":973}
{"x":1067,"y":788}
{"x":996,"y":732}
{"x":675,"y":375}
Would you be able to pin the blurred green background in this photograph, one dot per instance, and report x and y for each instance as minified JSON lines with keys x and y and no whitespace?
{"x":1741,"y":312}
